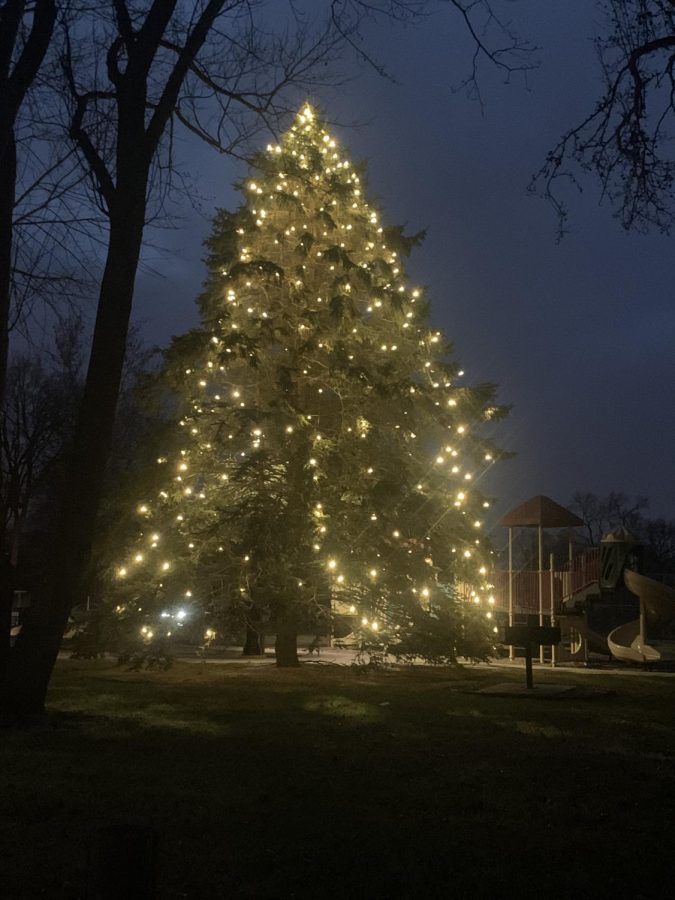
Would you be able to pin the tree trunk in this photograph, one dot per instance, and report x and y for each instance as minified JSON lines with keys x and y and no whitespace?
{"x":7,"y":191}
{"x":254,"y":645}
{"x":33,"y":657}
{"x":7,"y":194}
{"x":6,"y":598}
{"x":16,"y":81}
{"x":286,"y":645}
{"x":21,"y":55}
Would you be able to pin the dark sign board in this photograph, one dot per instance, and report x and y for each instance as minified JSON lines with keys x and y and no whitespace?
{"x":522,"y":635}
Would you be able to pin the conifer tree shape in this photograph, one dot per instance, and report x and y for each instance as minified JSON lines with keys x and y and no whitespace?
{"x":328,"y":452}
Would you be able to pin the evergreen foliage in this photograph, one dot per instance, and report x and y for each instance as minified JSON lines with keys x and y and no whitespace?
{"x":328,"y":450}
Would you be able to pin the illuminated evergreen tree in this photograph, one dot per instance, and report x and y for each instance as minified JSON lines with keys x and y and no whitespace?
{"x":328,"y":451}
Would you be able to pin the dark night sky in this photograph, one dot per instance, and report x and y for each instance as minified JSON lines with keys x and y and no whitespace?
{"x":580,"y":336}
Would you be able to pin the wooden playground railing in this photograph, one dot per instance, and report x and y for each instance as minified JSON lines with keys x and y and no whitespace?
{"x":561,"y":583}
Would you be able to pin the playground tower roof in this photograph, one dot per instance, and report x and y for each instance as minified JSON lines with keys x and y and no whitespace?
{"x":540,"y":512}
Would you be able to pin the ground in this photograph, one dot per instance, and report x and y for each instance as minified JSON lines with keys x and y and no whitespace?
{"x":330,"y":782}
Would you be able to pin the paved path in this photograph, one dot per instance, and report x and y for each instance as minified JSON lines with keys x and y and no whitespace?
{"x":335,"y":656}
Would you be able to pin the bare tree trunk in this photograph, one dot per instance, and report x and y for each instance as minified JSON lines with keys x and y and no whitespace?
{"x":254,"y":644}
{"x":124,"y":192}
{"x":19,"y":64}
{"x":286,"y":645}
{"x":33,"y":657}
{"x":17,"y":72}
{"x":7,"y":189}
{"x":6,"y":597}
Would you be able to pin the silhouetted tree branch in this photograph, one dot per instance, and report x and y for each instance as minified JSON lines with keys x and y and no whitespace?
{"x":625,"y":141}
{"x":24,"y":37}
{"x":604,"y":514}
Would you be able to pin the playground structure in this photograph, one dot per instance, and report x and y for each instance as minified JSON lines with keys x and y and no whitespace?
{"x":599,"y":597}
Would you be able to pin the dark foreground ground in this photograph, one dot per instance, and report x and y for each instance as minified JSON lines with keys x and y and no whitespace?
{"x":326,"y":783}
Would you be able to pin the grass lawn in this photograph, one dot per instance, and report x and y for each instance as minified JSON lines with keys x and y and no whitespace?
{"x":322,"y":782}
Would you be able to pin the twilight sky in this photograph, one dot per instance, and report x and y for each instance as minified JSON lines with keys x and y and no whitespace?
{"x":580,"y":336}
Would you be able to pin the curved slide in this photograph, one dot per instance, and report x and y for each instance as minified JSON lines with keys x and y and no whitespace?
{"x":651,"y":638}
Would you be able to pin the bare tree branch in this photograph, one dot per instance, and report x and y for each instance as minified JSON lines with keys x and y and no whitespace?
{"x":186,"y":56}
{"x":32,"y":53}
{"x":624,"y":142}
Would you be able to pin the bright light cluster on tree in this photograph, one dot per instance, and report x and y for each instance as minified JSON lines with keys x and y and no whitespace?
{"x":329,"y":452}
